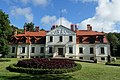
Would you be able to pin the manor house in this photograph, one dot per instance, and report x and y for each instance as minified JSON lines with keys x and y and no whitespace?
{"x":60,"y":41}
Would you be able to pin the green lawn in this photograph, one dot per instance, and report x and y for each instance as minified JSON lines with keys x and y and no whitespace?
{"x":89,"y":71}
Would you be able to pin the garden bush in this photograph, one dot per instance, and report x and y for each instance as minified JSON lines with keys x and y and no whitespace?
{"x":112,"y":64}
{"x":46,"y":63}
{"x":45,"y":66}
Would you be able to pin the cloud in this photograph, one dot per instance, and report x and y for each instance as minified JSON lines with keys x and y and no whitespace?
{"x":63,"y":21}
{"x":25,"y":1}
{"x":40,"y":2}
{"x":53,"y":20}
{"x":26,"y":12}
{"x":85,"y":0}
{"x":106,"y":17}
{"x":48,"y":20}
{"x":31,"y":2}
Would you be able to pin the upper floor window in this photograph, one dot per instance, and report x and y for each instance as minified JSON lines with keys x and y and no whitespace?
{"x":70,"y":49}
{"x":33,"y":50}
{"x":23,"y":49}
{"x":60,"y":38}
{"x":50,"y":50}
{"x":70,"y":38}
{"x":80,"y":50}
{"x":42,"y":50}
{"x":91,"y":50}
{"x":102,"y":50}
{"x":13,"y":49}
{"x":51,"y":39}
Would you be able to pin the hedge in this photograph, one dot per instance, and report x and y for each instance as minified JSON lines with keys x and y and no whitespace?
{"x":112,"y":64}
{"x":14,"y":68}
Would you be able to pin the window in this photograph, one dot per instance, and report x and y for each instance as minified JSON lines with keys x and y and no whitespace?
{"x":91,"y":58}
{"x":70,"y":38}
{"x":60,"y":38}
{"x":102,"y":50}
{"x":80,"y":57}
{"x":51,"y":39}
{"x":23,"y":49}
{"x":80,"y":50}
{"x":33,"y":50}
{"x":13,"y":49}
{"x":100,"y":39}
{"x":70,"y":57}
{"x":22,"y":56}
{"x":91,"y":50}
{"x":102,"y":58}
{"x":91,"y":40}
{"x":70,"y":49}
{"x":32,"y":40}
{"x":50,"y":49}
{"x":80,"y":39}
{"x":42,"y":50}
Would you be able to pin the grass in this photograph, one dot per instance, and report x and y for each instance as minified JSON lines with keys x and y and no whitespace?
{"x":89,"y":71}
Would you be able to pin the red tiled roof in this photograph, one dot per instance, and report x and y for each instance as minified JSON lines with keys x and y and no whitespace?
{"x":87,"y":33}
{"x":40,"y":33}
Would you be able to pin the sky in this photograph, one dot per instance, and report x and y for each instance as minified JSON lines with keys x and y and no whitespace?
{"x":103,"y":15}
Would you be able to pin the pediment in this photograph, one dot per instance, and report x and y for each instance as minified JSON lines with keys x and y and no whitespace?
{"x":61,"y":30}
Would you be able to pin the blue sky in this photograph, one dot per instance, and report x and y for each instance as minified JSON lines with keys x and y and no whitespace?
{"x":45,"y":13}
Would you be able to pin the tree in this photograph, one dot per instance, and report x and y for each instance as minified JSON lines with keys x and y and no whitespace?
{"x":29,"y":26}
{"x":5,"y":33}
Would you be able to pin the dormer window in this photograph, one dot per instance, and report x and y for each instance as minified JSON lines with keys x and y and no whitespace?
{"x":91,"y":39}
{"x":100,"y":39}
{"x":80,"y":39}
{"x":33,"y":40}
{"x":51,"y":39}
{"x":23,"y":40}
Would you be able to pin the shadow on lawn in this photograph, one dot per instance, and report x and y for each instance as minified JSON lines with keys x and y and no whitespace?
{"x":39,"y":77}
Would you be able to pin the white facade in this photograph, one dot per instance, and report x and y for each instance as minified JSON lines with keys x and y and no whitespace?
{"x":61,"y":42}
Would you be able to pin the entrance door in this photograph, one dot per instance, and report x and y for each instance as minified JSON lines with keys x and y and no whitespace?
{"x":60,"y":51}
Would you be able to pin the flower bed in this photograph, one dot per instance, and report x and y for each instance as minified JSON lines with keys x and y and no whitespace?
{"x":45,"y":66}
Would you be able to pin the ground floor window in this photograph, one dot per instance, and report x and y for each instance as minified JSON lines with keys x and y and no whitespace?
{"x":91,"y":58}
{"x":80,"y":57}
{"x":70,"y":49}
{"x":70,"y":57}
{"x":81,"y":50}
{"x":91,"y":50}
{"x":42,"y":50}
{"x":23,"y":49}
{"x":13,"y":49}
{"x":33,"y":50}
{"x":50,"y":50}
{"x":102,"y":50}
{"x":102,"y":58}
{"x":22,"y":56}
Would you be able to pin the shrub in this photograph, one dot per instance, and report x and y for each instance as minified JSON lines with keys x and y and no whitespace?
{"x":112,"y":64}
{"x":15,"y":68}
{"x":45,"y":63}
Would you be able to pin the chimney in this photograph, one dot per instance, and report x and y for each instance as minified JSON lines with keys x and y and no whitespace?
{"x":76,"y":27}
{"x":25,"y":29}
{"x":72,"y":27}
{"x":53,"y":27}
{"x":89,"y":27}
{"x":37,"y":29}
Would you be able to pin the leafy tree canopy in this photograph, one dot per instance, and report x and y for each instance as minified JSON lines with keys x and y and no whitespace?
{"x":29,"y":26}
{"x":5,"y":33}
